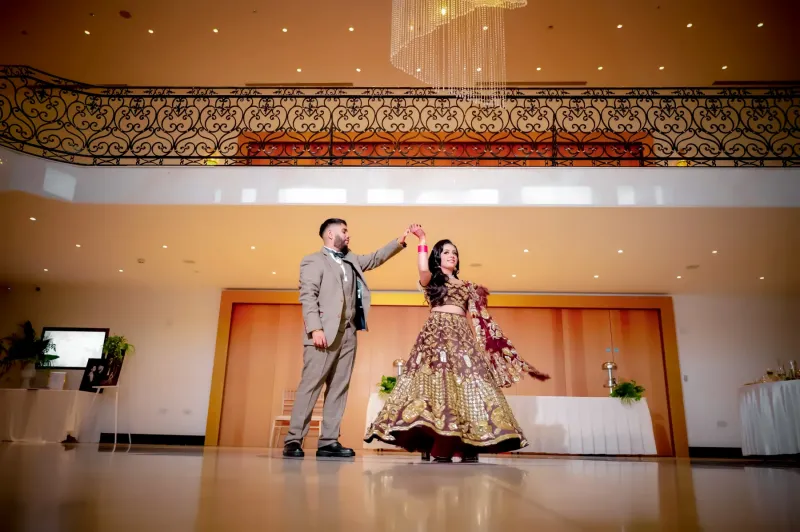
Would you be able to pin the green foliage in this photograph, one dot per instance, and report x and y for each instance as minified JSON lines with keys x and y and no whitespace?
{"x":386,"y":385}
{"x":117,"y":347}
{"x":628,"y":391}
{"x":28,"y":347}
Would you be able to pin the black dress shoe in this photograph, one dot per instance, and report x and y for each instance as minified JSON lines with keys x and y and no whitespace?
{"x":335,"y":450}
{"x":426,"y":456}
{"x":442,"y":460}
{"x":293,"y":449}
{"x":470,"y":459}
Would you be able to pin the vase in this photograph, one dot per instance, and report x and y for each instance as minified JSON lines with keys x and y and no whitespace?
{"x":28,"y":373}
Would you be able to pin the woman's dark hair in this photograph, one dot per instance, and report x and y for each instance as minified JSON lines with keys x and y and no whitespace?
{"x":436,"y":290}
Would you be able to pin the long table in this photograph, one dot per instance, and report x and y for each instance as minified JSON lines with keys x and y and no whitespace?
{"x":570,"y":425}
{"x":770,"y":414}
{"x":41,"y":415}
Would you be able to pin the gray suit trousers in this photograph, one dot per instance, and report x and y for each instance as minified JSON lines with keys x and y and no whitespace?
{"x":333,"y":368}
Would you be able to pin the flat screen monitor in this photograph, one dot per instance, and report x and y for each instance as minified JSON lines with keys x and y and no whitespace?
{"x":75,"y":346}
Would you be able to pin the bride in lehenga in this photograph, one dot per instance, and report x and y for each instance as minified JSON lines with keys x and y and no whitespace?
{"x":448,"y":401}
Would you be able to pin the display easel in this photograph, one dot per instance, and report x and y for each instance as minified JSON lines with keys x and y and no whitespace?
{"x":116,"y":412}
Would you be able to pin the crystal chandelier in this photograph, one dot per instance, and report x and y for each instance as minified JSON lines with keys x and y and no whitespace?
{"x":456,"y":46}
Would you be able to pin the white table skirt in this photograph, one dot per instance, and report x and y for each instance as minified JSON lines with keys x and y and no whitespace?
{"x":770,"y":414}
{"x":42,"y":416}
{"x":570,"y":425}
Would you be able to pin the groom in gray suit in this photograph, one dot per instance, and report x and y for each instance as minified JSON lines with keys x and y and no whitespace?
{"x":335,"y":300}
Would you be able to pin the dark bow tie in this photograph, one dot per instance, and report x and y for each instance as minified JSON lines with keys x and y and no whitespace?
{"x":337,"y":254}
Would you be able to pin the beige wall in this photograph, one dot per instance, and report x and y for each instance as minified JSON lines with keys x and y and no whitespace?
{"x":165,"y":385}
{"x":725,"y":342}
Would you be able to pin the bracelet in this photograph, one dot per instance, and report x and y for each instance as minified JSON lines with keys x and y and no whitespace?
{"x":422,"y":249}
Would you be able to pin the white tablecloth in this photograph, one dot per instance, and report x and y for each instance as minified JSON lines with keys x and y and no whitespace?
{"x":40,"y":416}
{"x":570,"y":425}
{"x":770,"y":415}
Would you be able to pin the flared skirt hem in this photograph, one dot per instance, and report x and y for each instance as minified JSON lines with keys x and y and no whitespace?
{"x":421,"y":435}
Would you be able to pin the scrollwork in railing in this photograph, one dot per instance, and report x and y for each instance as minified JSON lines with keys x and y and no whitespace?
{"x":86,"y":124}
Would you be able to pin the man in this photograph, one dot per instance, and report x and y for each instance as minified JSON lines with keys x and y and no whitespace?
{"x":335,"y":300}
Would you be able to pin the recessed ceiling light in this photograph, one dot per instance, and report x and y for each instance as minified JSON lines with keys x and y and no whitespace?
{"x":596,"y":276}
{"x":252,"y":247}
{"x":164,"y":246}
{"x":444,"y":11}
{"x":760,"y":24}
{"x":411,"y":28}
{"x":513,"y":275}
{"x":274,"y":273}
{"x":485,"y":28}
{"x":299,"y":69}
{"x":599,"y":68}
{"x":761,"y":278}
{"x":725,"y":67}
{"x":32,"y":219}
{"x":689,"y":25}
{"x":661,"y":68}
{"x":358,"y":70}
{"x":620,"y":251}
{"x":215,"y":30}
{"x":284,"y":30}
{"x":419,"y":69}
{"x":351,"y":28}
{"x":715,"y":252}
{"x":524,"y":250}
{"x":679,"y":277}
{"x":49,"y":270}
{"x":619,"y":26}
{"x":86,"y":32}
{"x":150,"y":31}
{"x":77,"y":245}
{"x":121,"y":271}
{"x":478,"y":69}
{"x":538,"y":68}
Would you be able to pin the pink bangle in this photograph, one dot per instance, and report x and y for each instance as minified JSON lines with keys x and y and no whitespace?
{"x":422,"y":249}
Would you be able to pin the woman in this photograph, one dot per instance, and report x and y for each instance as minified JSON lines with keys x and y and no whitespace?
{"x":448,"y":400}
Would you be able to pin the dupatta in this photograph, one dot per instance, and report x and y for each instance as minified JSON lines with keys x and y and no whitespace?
{"x":505,"y":363}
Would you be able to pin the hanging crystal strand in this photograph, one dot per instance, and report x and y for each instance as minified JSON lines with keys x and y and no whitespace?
{"x":444,"y":44}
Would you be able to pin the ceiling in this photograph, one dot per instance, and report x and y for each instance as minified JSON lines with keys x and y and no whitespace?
{"x":567,"y":40}
{"x":567,"y":246}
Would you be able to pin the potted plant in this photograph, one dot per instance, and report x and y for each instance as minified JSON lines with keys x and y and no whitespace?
{"x":116,"y":347}
{"x":29,"y":350}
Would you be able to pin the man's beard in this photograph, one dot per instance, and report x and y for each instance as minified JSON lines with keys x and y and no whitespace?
{"x":338,"y":242}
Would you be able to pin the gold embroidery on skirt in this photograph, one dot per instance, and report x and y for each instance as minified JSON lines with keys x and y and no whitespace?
{"x":447,"y":388}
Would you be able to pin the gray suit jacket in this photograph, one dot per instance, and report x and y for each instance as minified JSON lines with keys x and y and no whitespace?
{"x":322,"y":291}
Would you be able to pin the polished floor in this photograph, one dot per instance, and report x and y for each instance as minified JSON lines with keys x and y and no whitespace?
{"x":54,"y":488}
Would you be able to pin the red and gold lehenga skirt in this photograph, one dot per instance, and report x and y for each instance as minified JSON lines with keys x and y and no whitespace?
{"x":446,"y":401}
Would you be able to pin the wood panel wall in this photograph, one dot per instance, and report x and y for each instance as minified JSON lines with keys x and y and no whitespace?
{"x":265,"y":358}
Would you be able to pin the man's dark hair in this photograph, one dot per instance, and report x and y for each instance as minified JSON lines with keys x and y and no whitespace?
{"x":330,"y":221}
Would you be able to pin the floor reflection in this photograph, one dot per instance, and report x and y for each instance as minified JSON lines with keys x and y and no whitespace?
{"x":51,"y":488}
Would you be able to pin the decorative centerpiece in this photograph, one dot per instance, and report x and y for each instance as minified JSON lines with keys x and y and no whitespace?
{"x":386,"y":385}
{"x":628,"y":391}
{"x":610,"y":366}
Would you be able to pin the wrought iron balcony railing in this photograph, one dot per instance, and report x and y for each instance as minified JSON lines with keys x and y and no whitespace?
{"x":63,"y":120}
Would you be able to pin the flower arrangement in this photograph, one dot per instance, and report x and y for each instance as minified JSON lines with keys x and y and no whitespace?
{"x":628,"y":391}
